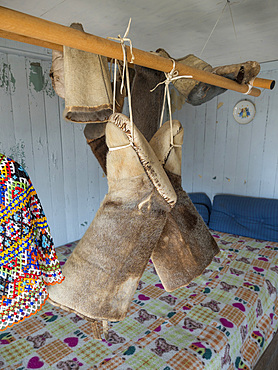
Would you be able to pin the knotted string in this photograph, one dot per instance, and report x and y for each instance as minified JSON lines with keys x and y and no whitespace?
{"x":249,"y":89}
{"x":115,"y":84}
{"x":125,"y":74}
{"x":173,"y":75}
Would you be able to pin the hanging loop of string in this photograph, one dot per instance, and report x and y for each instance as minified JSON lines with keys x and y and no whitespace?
{"x":122,"y":41}
{"x":173,"y":75}
{"x":125,"y":74}
{"x":216,"y":23}
{"x":115,"y":84}
{"x":228,"y":2}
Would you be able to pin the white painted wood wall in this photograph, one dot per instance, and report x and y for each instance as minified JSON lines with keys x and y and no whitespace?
{"x":219,"y":155}
{"x":62,"y":168}
{"x":222,"y":156}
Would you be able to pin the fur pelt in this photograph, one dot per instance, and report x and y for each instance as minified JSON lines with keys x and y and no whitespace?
{"x":88,"y":94}
{"x":146,"y":108}
{"x":83,"y":80}
{"x":147,"y":105}
{"x":242,"y":73}
{"x":57,"y":73}
{"x":104,"y":270}
{"x":197,"y":93}
{"x":100,"y":114}
{"x":186,"y":246}
{"x":95,"y":132}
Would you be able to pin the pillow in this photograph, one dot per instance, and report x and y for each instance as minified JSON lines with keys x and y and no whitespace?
{"x":203,"y":205}
{"x":203,"y":211}
{"x":245,"y":216}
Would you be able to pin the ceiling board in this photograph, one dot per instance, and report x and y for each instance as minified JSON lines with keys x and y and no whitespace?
{"x":181,"y":27}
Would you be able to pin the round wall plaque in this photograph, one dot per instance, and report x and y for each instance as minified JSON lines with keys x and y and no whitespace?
{"x":244,"y":111}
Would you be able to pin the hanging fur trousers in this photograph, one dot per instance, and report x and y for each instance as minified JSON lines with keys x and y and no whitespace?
{"x":103,"y":272}
{"x":185,"y":247}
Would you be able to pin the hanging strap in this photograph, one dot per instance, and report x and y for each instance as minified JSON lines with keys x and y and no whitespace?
{"x":173,"y":75}
{"x":125,"y":74}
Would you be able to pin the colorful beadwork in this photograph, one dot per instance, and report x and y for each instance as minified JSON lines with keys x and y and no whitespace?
{"x":28,"y":260}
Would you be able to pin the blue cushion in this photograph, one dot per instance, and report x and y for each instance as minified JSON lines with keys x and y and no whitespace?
{"x":201,"y":198}
{"x":203,"y":205}
{"x":203,"y":211}
{"x":246,"y":216}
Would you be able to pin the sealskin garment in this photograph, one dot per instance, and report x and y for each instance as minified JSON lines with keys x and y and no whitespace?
{"x":147,"y":104}
{"x":88,"y":93}
{"x":103,"y":272}
{"x":185,"y":247}
{"x":197,"y":93}
{"x":28,"y":260}
{"x":143,"y":80}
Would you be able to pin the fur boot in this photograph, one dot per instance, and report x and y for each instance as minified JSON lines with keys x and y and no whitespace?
{"x":186,"y":246}
{"x":104,"y":270}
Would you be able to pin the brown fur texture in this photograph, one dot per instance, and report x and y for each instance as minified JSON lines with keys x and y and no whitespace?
{"x":186,"y":246}
{"x":57,"y":73}
{"x":95,"y":132}
{"x":147,"y":105}
{"x":99,"y":148}
{"x":242,"y":73}
{"x":104,"y":270}
{"x":95,"y":136}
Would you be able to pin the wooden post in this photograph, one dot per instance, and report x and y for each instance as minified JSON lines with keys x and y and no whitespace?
{"x":30,"y":29}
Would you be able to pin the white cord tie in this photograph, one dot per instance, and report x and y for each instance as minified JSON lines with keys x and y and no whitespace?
{"x":173,"y":75}
{"x":119,"y":147}
{"x":124,"y":73}
{"x":249,"y":89}
{"x":122,"y":41}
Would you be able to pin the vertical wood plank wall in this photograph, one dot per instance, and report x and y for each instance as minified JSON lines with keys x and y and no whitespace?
{"x":222,"y":156}
{"x":62,"y":168}
{"x":219,"y":155}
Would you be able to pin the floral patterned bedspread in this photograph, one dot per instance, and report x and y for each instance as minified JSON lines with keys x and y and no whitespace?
{"x":224,"y":319}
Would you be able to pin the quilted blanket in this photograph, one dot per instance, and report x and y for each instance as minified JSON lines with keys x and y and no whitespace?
{"x":224,"y":319}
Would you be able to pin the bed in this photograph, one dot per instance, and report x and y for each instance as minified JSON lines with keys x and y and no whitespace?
{"x":224,"y":319}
